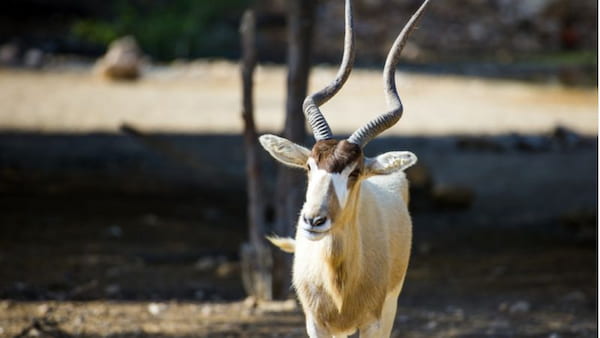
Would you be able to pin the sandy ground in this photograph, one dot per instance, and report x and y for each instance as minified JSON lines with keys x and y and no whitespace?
{"x":205,"y":98}
{"x":116,"y":264}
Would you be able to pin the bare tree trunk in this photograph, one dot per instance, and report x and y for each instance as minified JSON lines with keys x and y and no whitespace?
{"x":290,"y":183}
{"x":255,"y":255}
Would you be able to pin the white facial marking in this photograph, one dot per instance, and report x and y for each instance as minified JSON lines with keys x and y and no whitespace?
{"x":319,"y":180}
{"x":340,"y":184}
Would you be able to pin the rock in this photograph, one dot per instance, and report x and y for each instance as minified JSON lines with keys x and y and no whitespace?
{"x":250,"y":302}
{"x":43,"y":309}
{"x":206,"y":310}
{"x":156,"y":309}
{"x":431,"y":325}
{"x":34,"y":58}
{"x":6,"y":304}
{"x":519,"y":307}
{"x":452,"y":197}
{"x":112,"y":289}
{"x":123,"y":61}
{"x":9,"y":54}
{"x":34,"y":333}
{"x":565,"y":137}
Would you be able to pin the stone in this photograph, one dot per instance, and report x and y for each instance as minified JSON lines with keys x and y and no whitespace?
{"x":9,"y":54}
{"x":519,"y":307}
{"x":565,"y":137}
{"x":34,"y":333}
{"x":431,"y":325}
{"x":122,"y":61}
{"x":156,"y":309}
{"x":43,"y":309}
{"x":112,"y":289}
{"x":33,"y":58}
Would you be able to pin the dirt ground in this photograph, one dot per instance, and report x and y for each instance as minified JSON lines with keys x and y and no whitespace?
{"x":101,"y":237}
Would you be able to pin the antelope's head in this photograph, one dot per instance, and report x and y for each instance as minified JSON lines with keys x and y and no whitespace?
{"x":336,"y":167}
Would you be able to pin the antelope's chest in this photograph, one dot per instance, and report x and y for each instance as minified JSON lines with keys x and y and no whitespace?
{"x":332,"y":300}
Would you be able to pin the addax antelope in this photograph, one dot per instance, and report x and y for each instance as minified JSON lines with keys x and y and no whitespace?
{"x":354,"y":232}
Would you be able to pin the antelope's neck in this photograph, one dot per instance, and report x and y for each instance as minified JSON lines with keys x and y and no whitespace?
{"x":345,"y":258}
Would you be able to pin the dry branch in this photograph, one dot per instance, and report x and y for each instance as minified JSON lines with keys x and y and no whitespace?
{"x":256,"y":256}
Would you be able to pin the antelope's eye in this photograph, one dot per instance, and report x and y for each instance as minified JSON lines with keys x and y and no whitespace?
{"x":308,"y":167}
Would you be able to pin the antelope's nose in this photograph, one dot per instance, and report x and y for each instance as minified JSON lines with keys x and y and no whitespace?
{"x":314,"y":221}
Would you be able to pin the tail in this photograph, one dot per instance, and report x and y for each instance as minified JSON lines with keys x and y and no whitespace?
{"x":286,"y":244}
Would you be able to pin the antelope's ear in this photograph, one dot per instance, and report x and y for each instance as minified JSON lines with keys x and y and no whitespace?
{"x":285,"y":151}
{"x":389,"y":162}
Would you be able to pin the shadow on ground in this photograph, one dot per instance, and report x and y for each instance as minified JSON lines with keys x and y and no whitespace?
{"x":99,"y":228}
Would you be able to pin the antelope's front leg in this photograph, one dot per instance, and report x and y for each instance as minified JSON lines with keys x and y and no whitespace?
{"x":383,"y":327}
{"x":314,"y":330}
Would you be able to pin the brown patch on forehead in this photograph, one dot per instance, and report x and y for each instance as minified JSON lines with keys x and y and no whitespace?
{"x":335,"y":155}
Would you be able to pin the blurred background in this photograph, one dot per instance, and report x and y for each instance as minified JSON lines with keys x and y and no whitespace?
{"x":123,"y":162}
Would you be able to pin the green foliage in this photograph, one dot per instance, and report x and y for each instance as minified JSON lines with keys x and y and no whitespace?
{"x":168,"y":29}
{"x":568,"y":58}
